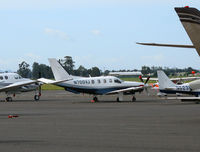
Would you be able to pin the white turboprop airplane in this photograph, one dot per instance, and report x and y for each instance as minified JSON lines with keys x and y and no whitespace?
{"x":190,"y":19}
{"x":166,"y":86}
{"x":103,"y":85}
{"x":12,"y":84}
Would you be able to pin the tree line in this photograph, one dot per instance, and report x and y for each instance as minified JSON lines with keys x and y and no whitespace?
{"x":44,"y":71}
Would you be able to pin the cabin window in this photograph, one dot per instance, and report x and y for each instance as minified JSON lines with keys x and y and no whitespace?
{"x":93,"y":81}
{"x":104,"y":80}
{"x":75,"y":82}
{"x":16,"y":77}
{"x":110,"y":80}
{"x":99,"y":81}
{"x":1,"y":78}
{"x":6,"y":77}
{"x":117,"y":81}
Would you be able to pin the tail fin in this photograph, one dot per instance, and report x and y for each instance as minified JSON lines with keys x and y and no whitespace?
{"x":58,"y":71}
{"x":190,"y":18}
{"x":164,"y":81}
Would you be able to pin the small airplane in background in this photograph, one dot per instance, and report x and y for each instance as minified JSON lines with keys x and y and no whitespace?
{"x":166,"y":86}
{"x":190,"y":19}
{"x":12,"y":84}
{"x":180,"y":80}
{"x":103,"y":85}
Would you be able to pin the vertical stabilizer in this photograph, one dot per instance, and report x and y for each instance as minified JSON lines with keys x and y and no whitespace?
{"x":58,"y":71}
{"x":164,"y":81}
{"x":190,"y":18}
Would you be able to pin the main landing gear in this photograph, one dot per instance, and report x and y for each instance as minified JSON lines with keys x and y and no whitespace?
{"x":9,"y":99}
{"x":36,"y":97}
{"x":133,"y":99}
{"x":38,"y":94}
{"x":95,"y":99}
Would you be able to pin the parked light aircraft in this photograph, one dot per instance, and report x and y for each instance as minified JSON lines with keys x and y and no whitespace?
{"x":174,"y":80}
{"x":190,"y":19}
{"x":12,"y":83}
{"x":103,"y":85}
{"x":166,"y":86}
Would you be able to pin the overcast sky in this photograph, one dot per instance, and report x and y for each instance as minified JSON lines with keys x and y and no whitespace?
{"x":94,"y":32}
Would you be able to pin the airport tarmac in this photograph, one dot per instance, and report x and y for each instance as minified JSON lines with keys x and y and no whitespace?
{"x":62,"y":121}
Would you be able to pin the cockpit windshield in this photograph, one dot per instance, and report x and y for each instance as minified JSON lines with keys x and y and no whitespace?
{"x":117,"y":81}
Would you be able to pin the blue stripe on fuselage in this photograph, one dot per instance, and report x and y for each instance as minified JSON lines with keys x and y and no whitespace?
{"x":182,"y":92}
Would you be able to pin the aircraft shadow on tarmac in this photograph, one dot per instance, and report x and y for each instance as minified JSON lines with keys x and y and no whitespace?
{"x":19,"y":141}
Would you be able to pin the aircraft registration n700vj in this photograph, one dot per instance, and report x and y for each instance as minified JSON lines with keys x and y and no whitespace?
{"x":103,"y":85}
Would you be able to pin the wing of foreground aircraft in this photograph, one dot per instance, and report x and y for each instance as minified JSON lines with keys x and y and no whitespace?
{"x":17,"y":85}
{"x":190,"y":19}
{"x":125,"y":90}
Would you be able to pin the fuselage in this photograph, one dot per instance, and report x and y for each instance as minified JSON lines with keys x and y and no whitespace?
{"x":182,"y":89}
{"x":11,"y":78}
{"x":98,"y":85}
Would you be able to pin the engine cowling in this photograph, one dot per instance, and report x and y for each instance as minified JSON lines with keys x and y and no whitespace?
{"x":194,"y":85}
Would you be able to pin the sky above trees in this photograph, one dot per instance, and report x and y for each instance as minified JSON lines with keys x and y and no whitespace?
{"x":95,"y":33}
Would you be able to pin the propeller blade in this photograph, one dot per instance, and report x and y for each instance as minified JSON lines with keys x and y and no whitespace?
{"x":147,"y":91}
{"x":140,"y":77}
{"x":147,"y":80}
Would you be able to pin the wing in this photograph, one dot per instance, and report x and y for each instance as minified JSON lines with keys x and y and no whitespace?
{"x":48,"y":81}
{"x":16,"y":85}
{"x":167,"y":45}
{"x":152,"y":79}
{"x":125,"y":90}
{"x":177,"y":79}
{"x":183,"y":98}
{"x":185,"y":79}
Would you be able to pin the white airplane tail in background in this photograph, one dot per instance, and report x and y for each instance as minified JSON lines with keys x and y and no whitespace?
{"x":190,"y":18}
{"x":58,"y":71}
{"x":164,"y":81}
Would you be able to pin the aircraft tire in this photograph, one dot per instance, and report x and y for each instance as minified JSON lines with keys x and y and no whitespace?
{"x":36,"y":97}
{"x":95,"y":99}
{"x":8,"y":99}
{"x":133,"y":99}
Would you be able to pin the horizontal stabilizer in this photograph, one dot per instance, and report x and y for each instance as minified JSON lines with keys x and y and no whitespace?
{"x":48,"y":81}
{"x":167,"y":45}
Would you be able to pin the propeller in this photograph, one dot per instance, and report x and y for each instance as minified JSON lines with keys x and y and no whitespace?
{"x":147,"y":80}
{"x":146,"y":86}
{"x":40,"y":85}
{"x":140,"y":77}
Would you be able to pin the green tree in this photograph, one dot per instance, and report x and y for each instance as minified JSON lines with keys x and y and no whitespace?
{"x":68,"y":64}
{"x":35,"y":70}
{"x":24,"y":70}
{"x":41,"y":70}
{"x":94,"y":72}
